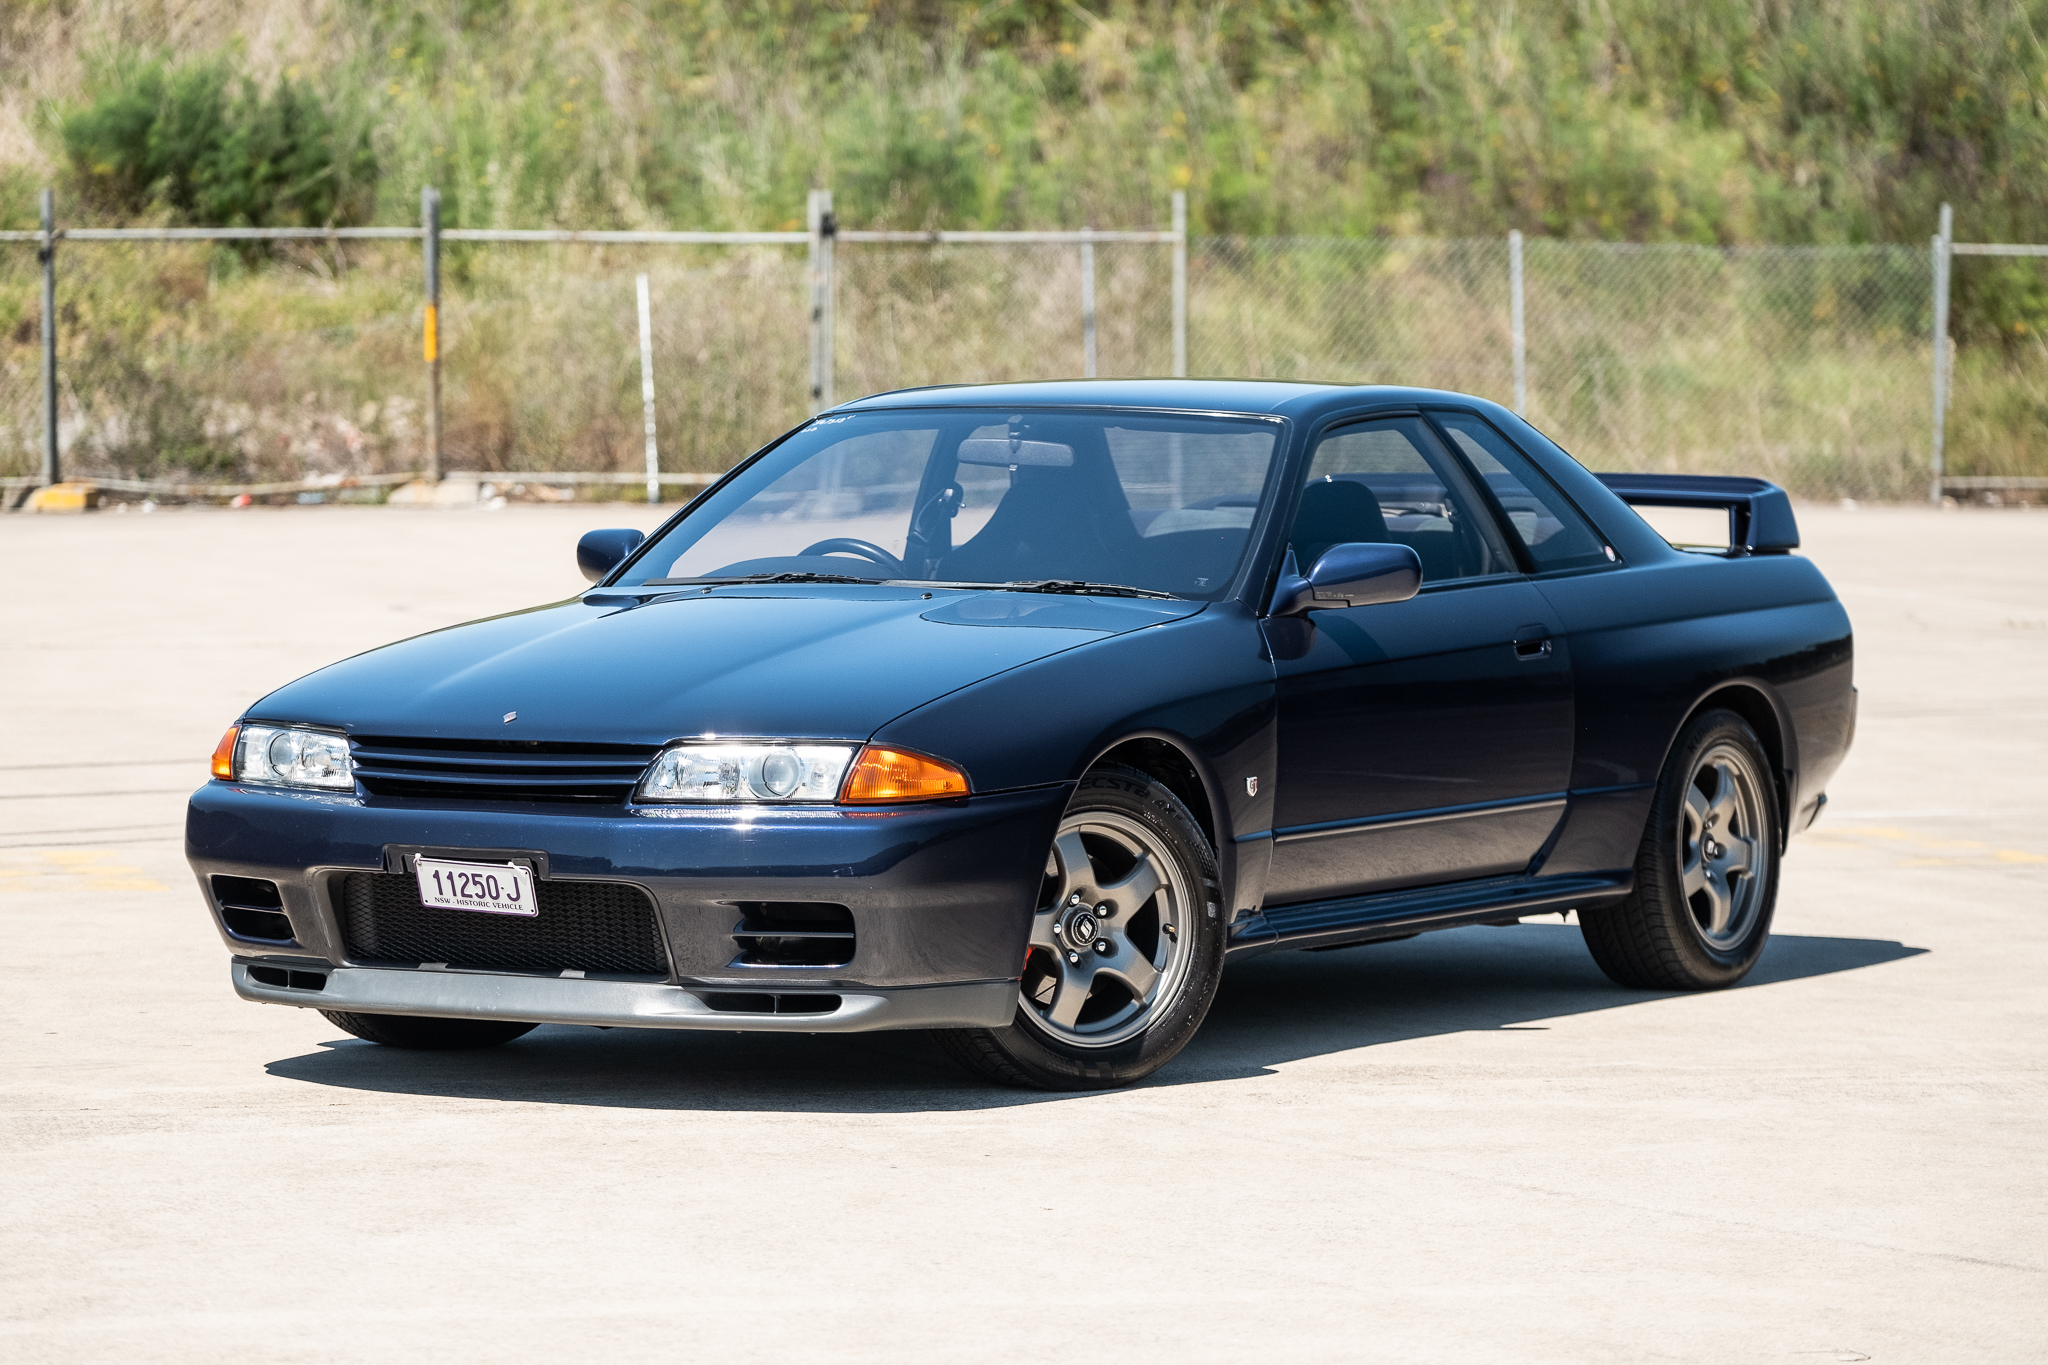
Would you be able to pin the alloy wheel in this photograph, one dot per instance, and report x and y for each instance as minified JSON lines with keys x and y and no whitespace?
{"x":1723,"y":848}
{"x":1108,"y":941}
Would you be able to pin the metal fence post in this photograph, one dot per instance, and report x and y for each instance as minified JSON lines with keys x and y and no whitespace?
{"x":46,"y":255}
{"x":1943,"y":240}
{"x":647,"y":392}
{"x":1518,"y":334}
{"x":1180,"y":284}
{"x":430,"y":238}
{"x":824,"y":228}
{"x":1088,"y":307}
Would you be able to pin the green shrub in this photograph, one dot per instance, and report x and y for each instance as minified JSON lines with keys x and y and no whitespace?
{"x":1711,"y":122}
{"x":217,"y":150}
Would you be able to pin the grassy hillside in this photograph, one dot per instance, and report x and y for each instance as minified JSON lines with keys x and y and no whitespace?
{"x":1712,"y":121}
{"x":1708,"y":121}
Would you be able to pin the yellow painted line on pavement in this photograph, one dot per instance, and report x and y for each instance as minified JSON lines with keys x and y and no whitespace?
{"x":71,"y":869}
{"x":1863,"y":836}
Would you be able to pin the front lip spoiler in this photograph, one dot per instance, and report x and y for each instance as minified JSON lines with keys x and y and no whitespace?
{"x":633,"y":1004}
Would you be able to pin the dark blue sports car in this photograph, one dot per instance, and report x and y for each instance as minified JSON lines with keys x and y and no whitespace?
{"x":1016,"y":712}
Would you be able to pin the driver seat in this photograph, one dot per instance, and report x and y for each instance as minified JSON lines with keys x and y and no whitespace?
{"x":1048,"y":525}
{"x":1335,"y":512}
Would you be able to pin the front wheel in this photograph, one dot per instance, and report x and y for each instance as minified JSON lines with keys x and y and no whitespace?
{"x":1126,"y":945}
{"x":1706,"y":870}
{"x":426,"y":1034}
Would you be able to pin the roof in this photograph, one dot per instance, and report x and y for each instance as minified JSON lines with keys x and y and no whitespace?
{"x":1257,"y":396}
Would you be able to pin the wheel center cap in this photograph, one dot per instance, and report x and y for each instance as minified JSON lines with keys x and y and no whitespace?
{"x":1081,"y":928}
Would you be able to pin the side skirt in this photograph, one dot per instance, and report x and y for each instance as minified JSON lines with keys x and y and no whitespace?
{"x":1397,"y":914}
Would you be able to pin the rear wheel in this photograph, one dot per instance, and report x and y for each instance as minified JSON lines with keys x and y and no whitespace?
{"x":1126,"y":945}
{"x":427,"y":1034}
{"x":1706,"y":870}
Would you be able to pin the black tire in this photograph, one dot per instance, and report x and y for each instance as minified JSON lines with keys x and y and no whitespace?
{"x":1662,"y":937}
{"x":1186,"y":933}
{"x":426,"y":1034}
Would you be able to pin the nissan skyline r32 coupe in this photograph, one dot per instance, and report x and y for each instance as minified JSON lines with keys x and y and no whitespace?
{"x":1016,"y":712}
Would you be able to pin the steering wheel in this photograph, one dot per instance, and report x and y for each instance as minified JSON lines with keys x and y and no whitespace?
{"x":866,"y":549}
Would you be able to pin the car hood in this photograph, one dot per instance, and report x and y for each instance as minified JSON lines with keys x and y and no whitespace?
{"x":814,"y":662}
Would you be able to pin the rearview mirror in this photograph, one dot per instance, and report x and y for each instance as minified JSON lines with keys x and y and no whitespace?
{"x":1354,"y":574}
{"x":599,"y":552}
{"x":1016,"y":451}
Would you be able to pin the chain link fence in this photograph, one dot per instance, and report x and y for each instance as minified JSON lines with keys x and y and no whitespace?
{"x":910,"y":314}
{"x":1380,"y":311}
{"x":1997,"y":385}
{"x":216,"y":363}
{"x":1807,"y":366}
{"x":541,"y":356}
{"x":227,"y":362}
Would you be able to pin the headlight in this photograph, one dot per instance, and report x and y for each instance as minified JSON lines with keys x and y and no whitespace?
{"x":286,"y":755}
{"x":747,"y":772}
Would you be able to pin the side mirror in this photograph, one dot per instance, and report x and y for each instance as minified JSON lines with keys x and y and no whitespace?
{"x":599,"y":552}
{"x":1354,"y":574}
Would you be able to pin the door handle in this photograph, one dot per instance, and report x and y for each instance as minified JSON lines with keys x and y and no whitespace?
{"x":1532,"y":642}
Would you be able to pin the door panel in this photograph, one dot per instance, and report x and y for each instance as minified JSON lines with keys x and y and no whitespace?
{"x":1421,"y":741}
{"x":1413,"y":853}
{"x":1418,"y":744}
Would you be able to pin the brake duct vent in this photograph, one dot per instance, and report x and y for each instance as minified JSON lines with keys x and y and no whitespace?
{"x":793,"y":934}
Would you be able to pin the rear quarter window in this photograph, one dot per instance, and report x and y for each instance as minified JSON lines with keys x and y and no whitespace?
{"x":1540,"y":517}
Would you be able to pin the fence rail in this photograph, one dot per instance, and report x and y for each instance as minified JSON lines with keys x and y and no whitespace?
{"x":590,"y":236}
{"x":821,"y":237}
{"x":185,"y":488}
{"x":1793,"y":361}
{"x":217,"y":234}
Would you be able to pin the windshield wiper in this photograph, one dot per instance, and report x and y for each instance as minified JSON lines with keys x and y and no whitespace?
{"x":1079,"y":588}
{"x":792,"y":577}
{"x":1073,"y":586}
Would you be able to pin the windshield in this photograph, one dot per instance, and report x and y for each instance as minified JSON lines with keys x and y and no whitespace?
{"x":976,"y":495}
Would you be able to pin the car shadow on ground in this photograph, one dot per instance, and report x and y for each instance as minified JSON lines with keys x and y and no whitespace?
{"x":1270,"y":1011}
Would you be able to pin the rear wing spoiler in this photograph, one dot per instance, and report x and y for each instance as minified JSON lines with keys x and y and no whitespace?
{"x":1760,"y":520}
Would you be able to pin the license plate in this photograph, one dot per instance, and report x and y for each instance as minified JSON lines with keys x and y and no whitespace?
{"x":488,"y":888}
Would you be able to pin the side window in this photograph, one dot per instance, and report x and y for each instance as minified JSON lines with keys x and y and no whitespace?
{"x":1389,"y":480}
{"x":1556,"y":536}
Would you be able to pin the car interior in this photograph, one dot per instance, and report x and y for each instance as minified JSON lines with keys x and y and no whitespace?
{"x":1074,"y":519}
{"x":1375,"y":483}
{"x":1146,"y":504}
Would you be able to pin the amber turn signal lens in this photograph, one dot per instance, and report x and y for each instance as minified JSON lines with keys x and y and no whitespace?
{"x":899,"y":775}
{"x":224,"y":754}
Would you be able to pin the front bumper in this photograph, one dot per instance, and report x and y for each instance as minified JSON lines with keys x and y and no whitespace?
{"x":627,"y":1004}
{"x":941,"y":896}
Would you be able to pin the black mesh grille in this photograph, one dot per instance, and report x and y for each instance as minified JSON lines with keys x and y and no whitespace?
{"x":499,"y":770}
{"x":587,"y":926}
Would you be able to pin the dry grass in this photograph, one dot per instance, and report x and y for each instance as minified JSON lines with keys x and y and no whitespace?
{"x":1405,"y":117}
{"x":1808,"y":368}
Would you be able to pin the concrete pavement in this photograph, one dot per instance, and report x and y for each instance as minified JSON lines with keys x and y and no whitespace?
{"x":1464,"y":1147}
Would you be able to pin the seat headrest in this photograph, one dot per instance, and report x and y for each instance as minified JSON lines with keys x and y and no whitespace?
{"x":1334,"y":512}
